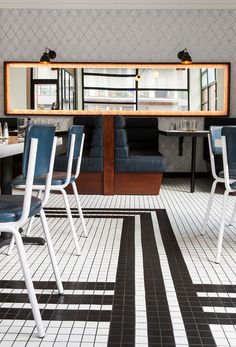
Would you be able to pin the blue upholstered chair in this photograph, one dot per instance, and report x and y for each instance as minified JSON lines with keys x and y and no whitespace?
{"x":91,"y":172}
{"x":215,"y":149}
{"x":60,"y":180}
{"x":38,"y":160}
{"x":222,"y":142}
{"x":228,"y":142}
{"x":92,"y":158}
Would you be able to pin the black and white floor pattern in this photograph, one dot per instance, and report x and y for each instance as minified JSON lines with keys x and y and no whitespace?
{"x":145,"y":277}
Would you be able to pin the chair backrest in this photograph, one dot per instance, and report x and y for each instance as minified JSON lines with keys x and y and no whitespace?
{"x":45,"y":135}
{"x":78,"y":131}
{"x":215,"y":134}
{"x":230,"y":137}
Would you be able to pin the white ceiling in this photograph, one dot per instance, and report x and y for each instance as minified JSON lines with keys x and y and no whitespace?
{"x":121,"y":4}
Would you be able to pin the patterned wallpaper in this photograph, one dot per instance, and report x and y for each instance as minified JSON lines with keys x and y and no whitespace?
{"x":124,"y":35}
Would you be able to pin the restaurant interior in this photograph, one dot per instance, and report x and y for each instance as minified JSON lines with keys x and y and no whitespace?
{"x":117,"y":173}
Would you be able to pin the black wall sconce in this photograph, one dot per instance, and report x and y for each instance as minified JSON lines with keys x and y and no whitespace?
{"x":47,"y":56}
{"x":184,"y":57}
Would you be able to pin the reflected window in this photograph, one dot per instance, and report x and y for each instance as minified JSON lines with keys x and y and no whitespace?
{"x":119,"y":89}
{"x":52,"y":89}
{"x":209,"y":90}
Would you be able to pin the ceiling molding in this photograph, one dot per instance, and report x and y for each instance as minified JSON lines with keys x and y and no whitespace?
{"x":121,"y":4}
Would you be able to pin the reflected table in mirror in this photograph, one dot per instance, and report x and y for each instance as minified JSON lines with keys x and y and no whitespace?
{"x":194,"y":135}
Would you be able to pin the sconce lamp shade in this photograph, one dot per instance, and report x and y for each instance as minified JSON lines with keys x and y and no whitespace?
{"x":184,"y":57}
{"x":45,"y":58}
{"x":47,"y":55}
{"x":51,"y":54}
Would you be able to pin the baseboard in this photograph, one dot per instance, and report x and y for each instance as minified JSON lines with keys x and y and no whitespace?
{"x":137,"y":183}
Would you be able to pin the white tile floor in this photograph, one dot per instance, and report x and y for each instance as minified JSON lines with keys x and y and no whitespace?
{"x":98,"y":263}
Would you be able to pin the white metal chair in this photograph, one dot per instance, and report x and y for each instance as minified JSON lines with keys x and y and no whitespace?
{"x":60,"y":180}
{"x":228,"y":143}
{"x":215,"y":148}
{"x":39,"y":153}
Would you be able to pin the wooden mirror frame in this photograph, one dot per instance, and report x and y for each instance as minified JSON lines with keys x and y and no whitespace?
{"x":159,"y":113}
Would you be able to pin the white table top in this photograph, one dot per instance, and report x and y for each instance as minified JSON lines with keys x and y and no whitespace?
{"x":11,"y":147}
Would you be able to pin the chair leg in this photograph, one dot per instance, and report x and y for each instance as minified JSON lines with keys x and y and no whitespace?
{"x":29,"y":284}
{"x":233,"y":214}
{"x":213,"y":188}
{"x":28,"y":231}
{"x":72,"y":226}
{"x":10,"y":248}
{"x":51,"y":252}
{"x":79,"y":208}
{"x":222,"y":225}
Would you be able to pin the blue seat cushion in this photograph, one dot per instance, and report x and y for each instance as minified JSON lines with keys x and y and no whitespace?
{"x":232,"y":174}
{"x":59,"y":178}
{"x":11,"y":207}
{"x":141,"y":161}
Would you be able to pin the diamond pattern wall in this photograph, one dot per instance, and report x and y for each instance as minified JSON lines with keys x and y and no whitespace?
{"x":122,"y":35}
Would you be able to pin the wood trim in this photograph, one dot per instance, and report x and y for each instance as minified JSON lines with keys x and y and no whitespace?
{"x":138,"y":183}
{"x":109,"y":156}
{"x":158,"y":113}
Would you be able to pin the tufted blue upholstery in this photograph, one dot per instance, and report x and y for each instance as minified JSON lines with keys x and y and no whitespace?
{"x":92,"y":160}
{"x":136,"y":145}
{"x":11,"y":207}
{"x":45,"y":135}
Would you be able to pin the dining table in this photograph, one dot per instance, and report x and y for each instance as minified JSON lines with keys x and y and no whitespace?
{"x":194,"y":134}
{"x":8,"y":149}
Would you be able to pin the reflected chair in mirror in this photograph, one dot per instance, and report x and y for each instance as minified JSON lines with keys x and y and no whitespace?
{"x":39,"y":153}
{"x":60,"y":180}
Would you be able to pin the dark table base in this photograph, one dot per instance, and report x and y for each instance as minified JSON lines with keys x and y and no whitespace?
{"x":4,"y":241}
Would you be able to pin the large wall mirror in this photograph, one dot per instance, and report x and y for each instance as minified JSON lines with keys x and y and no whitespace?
{"x":120,"y":88}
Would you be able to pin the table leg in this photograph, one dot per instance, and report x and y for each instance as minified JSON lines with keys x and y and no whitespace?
{"x":193,"y":164}
{"x":6,"y":176}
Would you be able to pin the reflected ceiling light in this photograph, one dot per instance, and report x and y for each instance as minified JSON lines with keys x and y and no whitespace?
{"x":47,"y":55}
{"x":184,"y":57}
{"x":155,"y":73}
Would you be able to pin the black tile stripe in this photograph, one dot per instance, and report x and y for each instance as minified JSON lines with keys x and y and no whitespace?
{"x":122,"y":327}
{"x":67,"y":299}
{"x":61,"y":315}
{"x":67,"y":285}
{"x":219,"y":302}
{"x":160,"y":330}
{"x":215,"y":288}
{"x":195,"y":320}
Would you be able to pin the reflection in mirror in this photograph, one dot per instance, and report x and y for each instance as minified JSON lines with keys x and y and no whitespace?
{"x":160,"y":88}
